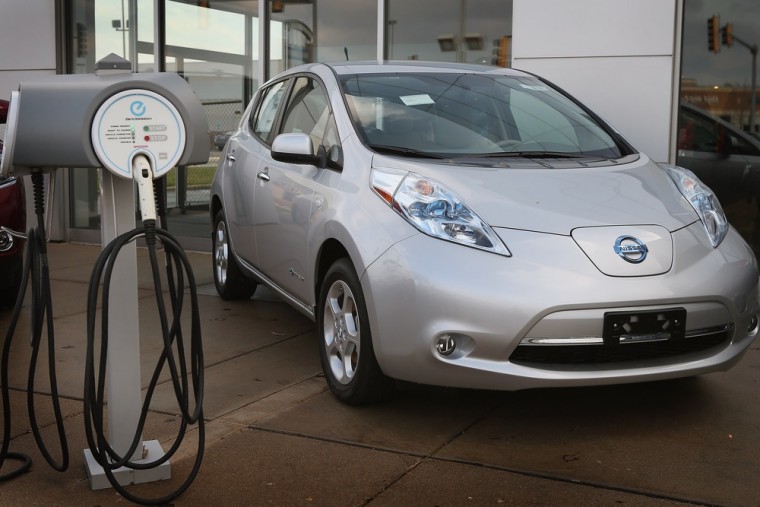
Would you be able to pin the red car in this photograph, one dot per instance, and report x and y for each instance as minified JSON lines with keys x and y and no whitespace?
{"x":13,"y":217}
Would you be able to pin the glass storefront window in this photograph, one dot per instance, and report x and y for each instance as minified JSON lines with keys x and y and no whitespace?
{"x":449,"y":30}
{"x":98,"y":28}
{"x":717,"y":131}
{"x":207,"y":28}
{"x":214,"y":45}
{"x":207,"y":43}
{"x":340,"y":27}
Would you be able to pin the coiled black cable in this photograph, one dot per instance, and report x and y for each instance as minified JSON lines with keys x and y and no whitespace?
{"x":94,"y":388}
{"x":35,"y":266}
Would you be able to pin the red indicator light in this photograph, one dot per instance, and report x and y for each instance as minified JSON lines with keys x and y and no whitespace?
{"x":147,"y":138}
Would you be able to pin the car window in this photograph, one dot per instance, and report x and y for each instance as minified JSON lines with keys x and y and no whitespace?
{"x":472,"y":115}
{"x":266,"y":112}
{"x":700,"y":133}
{"x":697,"y":133}
{"x":743,"y":146}
{"x":307,"y":111}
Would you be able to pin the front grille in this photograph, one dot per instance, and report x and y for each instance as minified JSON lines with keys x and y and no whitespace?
{"x":621,"y":353}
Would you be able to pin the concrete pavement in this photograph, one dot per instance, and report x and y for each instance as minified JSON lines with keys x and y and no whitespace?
{"x":276,"y":436}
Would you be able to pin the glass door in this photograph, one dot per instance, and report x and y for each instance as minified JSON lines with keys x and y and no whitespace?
{"x":213,"y":45}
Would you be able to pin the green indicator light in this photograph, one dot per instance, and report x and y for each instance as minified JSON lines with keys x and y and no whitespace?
{"x":145,"y":128}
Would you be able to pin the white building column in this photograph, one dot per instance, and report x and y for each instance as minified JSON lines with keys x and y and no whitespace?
{"x":620,"y":58}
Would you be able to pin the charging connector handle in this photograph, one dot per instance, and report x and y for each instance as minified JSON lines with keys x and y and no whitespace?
{"x":143,"y":174}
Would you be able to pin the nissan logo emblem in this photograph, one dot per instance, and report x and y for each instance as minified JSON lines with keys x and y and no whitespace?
{"x":631,"y":249}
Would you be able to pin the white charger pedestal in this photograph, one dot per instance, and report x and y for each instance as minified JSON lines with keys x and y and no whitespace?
{"x":124,"y":386}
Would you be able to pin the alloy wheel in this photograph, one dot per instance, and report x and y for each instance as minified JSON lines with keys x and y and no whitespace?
{"x":342,"y":332}
{"x":221,"y":253}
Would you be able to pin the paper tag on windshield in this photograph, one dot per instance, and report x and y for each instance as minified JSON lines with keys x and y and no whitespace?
{"x":538,"y":88}
{"x":417,"y":100}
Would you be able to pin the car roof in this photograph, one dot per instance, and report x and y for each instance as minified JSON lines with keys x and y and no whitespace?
{"x":402,"y":66}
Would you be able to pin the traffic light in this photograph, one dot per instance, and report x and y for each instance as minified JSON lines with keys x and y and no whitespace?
{"x":501,"y":51}
{"x":713,"y":40}
{"x":727,"y":34}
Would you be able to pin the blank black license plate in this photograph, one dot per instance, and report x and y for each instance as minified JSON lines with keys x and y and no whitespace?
{"x":644,"y":326}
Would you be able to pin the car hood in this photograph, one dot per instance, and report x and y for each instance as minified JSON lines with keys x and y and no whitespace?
{"x":562,"y":198}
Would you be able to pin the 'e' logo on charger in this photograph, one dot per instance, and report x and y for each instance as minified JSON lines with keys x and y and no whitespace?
{"x":137,"y":108}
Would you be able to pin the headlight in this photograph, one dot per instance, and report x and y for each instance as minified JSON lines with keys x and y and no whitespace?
{"x":703,"y":200}
{"x":435,"y":210}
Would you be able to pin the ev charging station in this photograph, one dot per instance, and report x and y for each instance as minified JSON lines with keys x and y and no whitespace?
{"x":136,"y":127}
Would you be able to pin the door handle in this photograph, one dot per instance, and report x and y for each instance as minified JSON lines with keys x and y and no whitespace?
{"x":231,"y":157}
{"x":263,"y":176}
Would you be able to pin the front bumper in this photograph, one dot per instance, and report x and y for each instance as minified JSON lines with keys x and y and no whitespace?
{"x":422,"y":288}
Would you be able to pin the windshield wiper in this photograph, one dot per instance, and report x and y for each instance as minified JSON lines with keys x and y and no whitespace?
{"x":535,"y":154}
{"x":401,"y":150}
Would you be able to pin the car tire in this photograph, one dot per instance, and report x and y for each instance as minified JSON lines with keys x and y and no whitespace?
{"x":345,"y":339}
{"x":229,"y":280}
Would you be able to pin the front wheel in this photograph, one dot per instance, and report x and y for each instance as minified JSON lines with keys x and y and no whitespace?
{"x":230,"y":282}
{"x":348,"y":357}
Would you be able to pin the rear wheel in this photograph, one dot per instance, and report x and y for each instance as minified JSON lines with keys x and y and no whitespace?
{"x":229,"y":280}
{"x":348,"y":357}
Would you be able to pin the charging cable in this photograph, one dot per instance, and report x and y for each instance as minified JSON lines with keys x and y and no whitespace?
{"x":174,"y":354}
{"x":174,"y":349}
{"x":35,"y":266}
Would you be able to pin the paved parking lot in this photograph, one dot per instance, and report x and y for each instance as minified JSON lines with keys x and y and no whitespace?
{"x":275,"y":435}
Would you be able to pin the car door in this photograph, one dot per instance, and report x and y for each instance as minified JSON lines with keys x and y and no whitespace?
{"x":747,"y":147}
{"x":245,"y":151}
{"x":284,"y":194}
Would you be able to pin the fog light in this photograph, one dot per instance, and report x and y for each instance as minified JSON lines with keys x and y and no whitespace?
{"x":445,"y":344}
{"x":752,"y":324}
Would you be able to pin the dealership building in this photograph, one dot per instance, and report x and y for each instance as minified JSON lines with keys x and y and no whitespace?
{"x":675,"y":77}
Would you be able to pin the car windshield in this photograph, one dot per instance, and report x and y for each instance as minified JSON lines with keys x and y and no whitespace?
{"x":472,"y":115}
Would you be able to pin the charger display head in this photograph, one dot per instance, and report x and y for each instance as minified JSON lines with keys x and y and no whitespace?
{"x":87,"y":121}
{"x":137,"y":121}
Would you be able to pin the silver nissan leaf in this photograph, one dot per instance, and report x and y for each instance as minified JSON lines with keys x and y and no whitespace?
{"x":475,"y":227}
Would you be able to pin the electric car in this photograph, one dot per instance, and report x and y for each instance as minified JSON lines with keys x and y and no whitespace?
{"x":475,"y":227}
{"x":13,"y":218}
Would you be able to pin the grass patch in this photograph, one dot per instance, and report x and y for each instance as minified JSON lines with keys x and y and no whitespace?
{"x":197,"y":176}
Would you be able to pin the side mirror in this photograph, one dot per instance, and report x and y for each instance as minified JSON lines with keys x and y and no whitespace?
{"x":335,"y":158}
{"x":295,"y":149}
{"x":3,"y":111}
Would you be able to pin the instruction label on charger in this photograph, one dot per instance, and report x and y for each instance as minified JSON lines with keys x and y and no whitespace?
{"x":138,"y":121}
